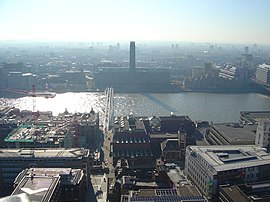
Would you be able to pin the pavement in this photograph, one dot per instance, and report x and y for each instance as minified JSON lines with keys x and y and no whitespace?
{"x":106,"y":147}
{"x":108,"y":159}
{"x":101,"y":184}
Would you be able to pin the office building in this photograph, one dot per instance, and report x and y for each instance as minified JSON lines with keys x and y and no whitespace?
{"x":51,"y":184}
{"x":130,"y":141}
{"x":13,"y":161}
{"x":231,"y":134}
{"x":229,"y":72}
{"x":156,"y":195}
{"x":247,"y":61}
{"x":263,"y":133}
{"x":66,"y":130}
{"x":263,"y":73}
{"x":233,"y":73}
{"x":40,"y":136}
{"x":210,"y":166}
{"x":88,"y":126}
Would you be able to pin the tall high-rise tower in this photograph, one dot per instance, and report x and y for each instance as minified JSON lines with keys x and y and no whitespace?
{"x":246,"y":49}
{"x":132,"y":63}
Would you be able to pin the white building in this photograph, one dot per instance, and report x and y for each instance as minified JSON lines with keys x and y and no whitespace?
{"x":263,"y":73}
{"x":210,"y":166}
{"x":263,"y":133}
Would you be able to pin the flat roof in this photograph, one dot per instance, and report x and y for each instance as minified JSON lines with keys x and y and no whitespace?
{"x":188,"y":190}
{"x":235,"y":193}
{"x":40,"y":183}
{"x":73,"y":176}
{"x":44,"y":153}
{"x":174,"y":117}
{"x":236,"y":135}
{"x":38,"y":188}
{"x":229,"y":157}
{"x":125,"y":123}
{"x":164,"y":135}
{"x":163,"y":195}
{"x":177,"y":176}
{"x":24,"y":133}
{"x":254,"y":116}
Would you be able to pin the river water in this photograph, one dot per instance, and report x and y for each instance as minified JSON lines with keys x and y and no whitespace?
{"x":216,"y":107}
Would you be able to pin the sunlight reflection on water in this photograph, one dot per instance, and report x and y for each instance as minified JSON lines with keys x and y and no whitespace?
{"x":199,"y":106}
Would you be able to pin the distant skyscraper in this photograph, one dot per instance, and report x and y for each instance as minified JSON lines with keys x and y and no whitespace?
{"x":132,"y":63}
{"x":247,"y":61}
{"x":246,"y":49}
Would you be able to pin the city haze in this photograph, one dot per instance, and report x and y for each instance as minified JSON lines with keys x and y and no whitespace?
{"x":242,"y":21}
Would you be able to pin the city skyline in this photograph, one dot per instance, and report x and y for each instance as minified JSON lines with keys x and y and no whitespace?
{"x":243,"y":21}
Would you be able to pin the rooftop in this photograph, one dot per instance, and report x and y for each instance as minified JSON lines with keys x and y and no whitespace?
{"x":164,"y":136}
{"x":39,"y":188}
{"x":235,"y":133}
{"x":177,"y":177}
{"x":170,"y":144}
{"x":227,"y":157}
{"x":235,"y":193}
{"x":265,"y":66}
{"x":258,"y":191}
{"x":44,"y":153}
{"x":160,"y":195}
{"x":41,"y":134}
{"x":128,"y":123}
{"x":174,"y":117}
{"x":40,"y":183}
{"x":254,"y":116}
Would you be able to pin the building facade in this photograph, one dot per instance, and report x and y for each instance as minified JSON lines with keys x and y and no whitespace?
{"x":13,"y":161}
{"x":51,"y":184}
{"x":263,"y":73}
{"x":173,"y":150}
{"x":263,"y":133}
{"x":208,"y":167}
{"x":130,"y":141}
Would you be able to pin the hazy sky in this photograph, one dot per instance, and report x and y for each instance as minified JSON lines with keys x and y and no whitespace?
{"x":233,"y":21}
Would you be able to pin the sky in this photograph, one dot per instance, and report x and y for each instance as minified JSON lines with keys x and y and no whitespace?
{"x":220,"y":21}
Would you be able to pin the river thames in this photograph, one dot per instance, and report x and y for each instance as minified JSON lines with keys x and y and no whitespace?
{"x":216,"y":107}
